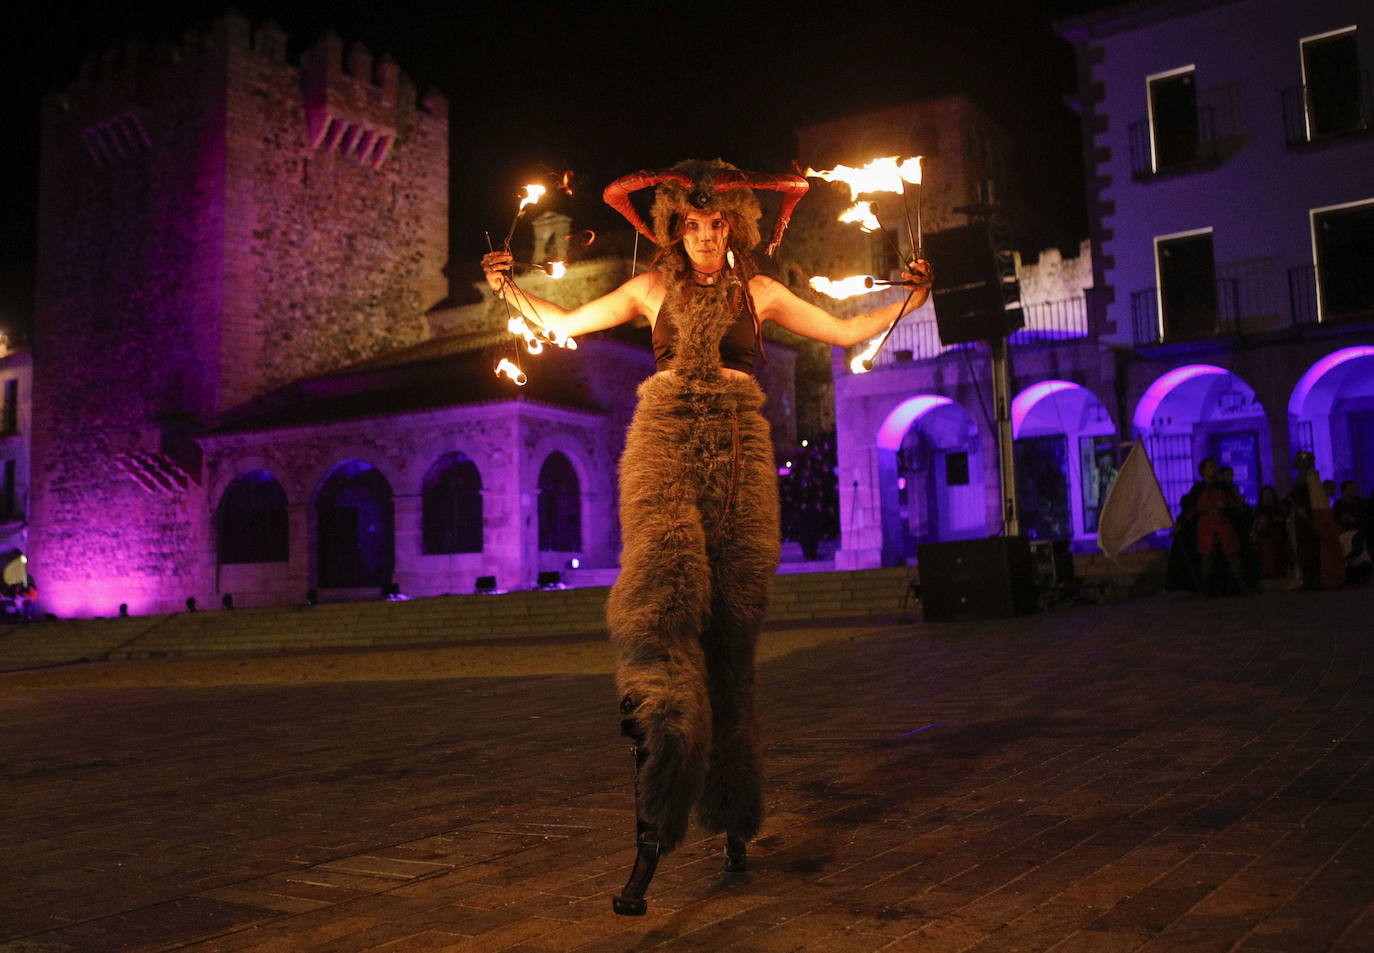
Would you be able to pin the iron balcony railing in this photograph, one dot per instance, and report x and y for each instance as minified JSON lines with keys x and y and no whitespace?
{"x":1146,"y":164}
{"x":1050,"y":321}
{"x":1302,"y":294}
{"x":1312,"y":115}
{"x":1220,"y":320}
{"x":1349,"y":296}
{"x":1046,"y":322}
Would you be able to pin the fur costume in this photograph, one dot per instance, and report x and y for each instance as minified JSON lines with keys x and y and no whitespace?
{"x":699,"y":521}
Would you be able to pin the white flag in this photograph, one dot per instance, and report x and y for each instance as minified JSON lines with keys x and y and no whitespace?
{"x":1135,"y":505}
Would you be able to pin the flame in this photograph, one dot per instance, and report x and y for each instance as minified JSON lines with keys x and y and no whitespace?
{"x":556,"y":269}
{"x":862,"y":213}
{"x":518,"y":326}
{"x":845,"y":287}
{"x":533,"y":193}
{"x":860,"y":363}
{"x":508,"y":368}
{"x":536,"y":336}
{"x":881,"y":175}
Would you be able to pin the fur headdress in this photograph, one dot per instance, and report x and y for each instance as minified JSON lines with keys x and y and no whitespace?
{"x":714,"y":186}
{"x":674,"y":198}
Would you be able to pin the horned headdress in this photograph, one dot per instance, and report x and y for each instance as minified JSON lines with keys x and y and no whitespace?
{"x":714,"y":186}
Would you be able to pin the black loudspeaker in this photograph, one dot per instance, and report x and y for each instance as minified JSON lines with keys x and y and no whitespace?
{"x":977,"y":579}
{"x":968,"y":288}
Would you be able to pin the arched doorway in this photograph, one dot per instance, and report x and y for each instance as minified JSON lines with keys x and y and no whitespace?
{"x":252,"y":521}
{"x":451,"y":506}
{"x":355,"y":528}
{"x":1331,"y":413}
{"x":929,"y":476}
{"x":1065,"y":444}
{"x":1198,"y":411}
{"x":560,"y":506}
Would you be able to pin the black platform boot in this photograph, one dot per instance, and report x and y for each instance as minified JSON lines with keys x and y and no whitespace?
{"x":736,"y":855}
{"x":631,"y":902}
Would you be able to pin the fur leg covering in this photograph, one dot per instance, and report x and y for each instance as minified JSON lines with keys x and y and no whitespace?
{"x":698,"y":506}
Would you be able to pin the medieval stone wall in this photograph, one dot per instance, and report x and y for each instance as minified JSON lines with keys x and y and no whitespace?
{"x":337,"y":232}
{"x":212,"y":221}
{"x":507,"y":441}
{"x":127,"y":304}
{"x":1052,"y":277}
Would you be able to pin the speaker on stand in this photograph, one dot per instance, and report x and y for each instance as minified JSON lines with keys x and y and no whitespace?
{"x":971,"y":294}
{"x":988,"y":578}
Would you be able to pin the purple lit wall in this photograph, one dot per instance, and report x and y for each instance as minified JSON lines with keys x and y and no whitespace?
{"x":210,"y":249}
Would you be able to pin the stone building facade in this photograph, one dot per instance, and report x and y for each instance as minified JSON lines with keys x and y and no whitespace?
{"x":250,"y":381}
{"x":16,"y":426}
{"x":214,"y":221}
{"x":1223,"y":306}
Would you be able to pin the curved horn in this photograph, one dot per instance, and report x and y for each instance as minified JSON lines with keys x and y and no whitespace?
{"x":793,"y":188}
{"x":617,"y":194}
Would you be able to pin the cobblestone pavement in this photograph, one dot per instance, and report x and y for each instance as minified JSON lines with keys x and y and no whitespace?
{"x":1159,"y":774}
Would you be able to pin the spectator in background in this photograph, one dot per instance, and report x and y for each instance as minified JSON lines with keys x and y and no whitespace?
{"x":1270,"y":535}
{"x":1316,"y":539}
{"x":1217,"y":508}
{"x":1184,"y":571}
{"x":1349,"y":508}
{"x":1241,"y":515}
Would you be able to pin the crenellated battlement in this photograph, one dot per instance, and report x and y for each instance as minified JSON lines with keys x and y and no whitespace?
{"x":199,"y":248}
{"x":354,"y":85}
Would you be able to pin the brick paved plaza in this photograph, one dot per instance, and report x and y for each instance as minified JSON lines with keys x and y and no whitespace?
{"x":1158,"y":774}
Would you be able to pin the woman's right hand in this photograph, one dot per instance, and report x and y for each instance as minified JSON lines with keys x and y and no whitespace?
{"x":496,"y":265}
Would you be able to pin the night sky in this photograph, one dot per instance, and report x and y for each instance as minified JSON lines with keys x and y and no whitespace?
{"x":605,"y":89}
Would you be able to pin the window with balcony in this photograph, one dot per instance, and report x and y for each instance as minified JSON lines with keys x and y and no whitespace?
{"x":9,"y":417}
{"x":1174,"y":138}
{"x":9,"y":505}
{"x":1343,"y":244}
{"x":1187,"y":282}
{"x":1181,"y":132}
{"x":1331,"y":73}
{"x":1336,"y":97}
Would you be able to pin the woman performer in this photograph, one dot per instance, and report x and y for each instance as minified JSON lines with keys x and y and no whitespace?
{"x":698,"y":495}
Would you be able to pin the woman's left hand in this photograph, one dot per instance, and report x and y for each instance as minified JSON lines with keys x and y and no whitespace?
{"x":919,"y":273}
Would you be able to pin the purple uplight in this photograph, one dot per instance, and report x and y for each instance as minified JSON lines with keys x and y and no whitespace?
{"x":1025,"y":402}
{"x":905,"y":414}
{"x":1149,"y":404}
{"x":98,"y":597}
{"x":1298,"y":402}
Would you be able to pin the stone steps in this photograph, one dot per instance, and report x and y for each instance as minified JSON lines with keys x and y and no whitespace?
{"x":441,"y":620}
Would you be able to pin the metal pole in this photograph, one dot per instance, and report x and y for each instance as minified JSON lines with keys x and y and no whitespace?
{"x":1006,"y":467}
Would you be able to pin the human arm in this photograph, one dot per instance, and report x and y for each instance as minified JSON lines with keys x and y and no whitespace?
{"x":619,"y":306}
{"x":776,"y":303}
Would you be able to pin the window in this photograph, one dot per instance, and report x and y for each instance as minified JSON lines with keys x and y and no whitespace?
{"x":1343,"y":247}
{"x":451,"y":506}
{"x":252,"y":520}
{"x":560,"y":506}
{"x":956,"y":468}
{"x":11,"y":415}
{"x":1331,"y":79}
{"x":1186,"y":276}
{"x":355,"y":534}
{"x":11,"y":496}
{"x":1174,"y":139}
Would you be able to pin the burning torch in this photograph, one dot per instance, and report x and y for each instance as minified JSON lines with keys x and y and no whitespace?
{"x":888,"y":174}
{"x":522,"y":318}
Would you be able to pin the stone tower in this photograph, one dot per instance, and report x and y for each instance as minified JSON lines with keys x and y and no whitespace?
{"x":214,"y":222}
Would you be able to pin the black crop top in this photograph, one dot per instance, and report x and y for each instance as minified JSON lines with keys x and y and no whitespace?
{"x":736,"y":348}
